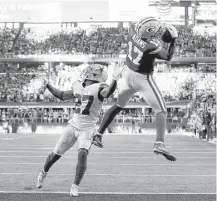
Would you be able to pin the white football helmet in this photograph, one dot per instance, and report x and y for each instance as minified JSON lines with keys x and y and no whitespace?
{"x":94,"y":72}
{"x":148,"y":28}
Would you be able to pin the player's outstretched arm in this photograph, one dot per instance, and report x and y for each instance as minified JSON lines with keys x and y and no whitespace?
{"x":62,"y":95}
{"x":106,"y":90}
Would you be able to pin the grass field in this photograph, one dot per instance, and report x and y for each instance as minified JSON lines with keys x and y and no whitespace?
{"x":125,"y":169}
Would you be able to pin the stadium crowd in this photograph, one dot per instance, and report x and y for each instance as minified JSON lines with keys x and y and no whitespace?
{"x":111,"y":41}
{"x":39,"y":115}
{"x":62,"y":115}
{"x":176,"y":85}
{"x":148,"y":115}
{"x":203,"y":117}
{"x":181,"y":83}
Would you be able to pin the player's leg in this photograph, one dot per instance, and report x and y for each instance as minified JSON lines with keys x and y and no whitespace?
{"x":85,"y":139}
{"x":80,"y":171}
{"x":123,"y":98}
{"x":65,"y":142}
{"x":154,"y":98}
{"x":125,"y":92}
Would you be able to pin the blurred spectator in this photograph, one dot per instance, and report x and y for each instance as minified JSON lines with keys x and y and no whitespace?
{"x":33,"y":126}
{"x":207,"y":120}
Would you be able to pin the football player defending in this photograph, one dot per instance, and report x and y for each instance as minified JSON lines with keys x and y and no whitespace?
{"x":144,"y":48}
{"x":89,"y":93}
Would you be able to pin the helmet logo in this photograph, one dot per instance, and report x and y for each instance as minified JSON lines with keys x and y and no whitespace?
{"x":150,"y":29}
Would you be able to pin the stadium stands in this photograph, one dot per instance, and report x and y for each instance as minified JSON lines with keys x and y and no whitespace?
{"x":111,"y":41}
{"x":183,"y":83}
{"x":176,"y":85}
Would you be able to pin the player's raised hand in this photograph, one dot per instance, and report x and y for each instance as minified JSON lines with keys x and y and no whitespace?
{"x":43,"y":80}
{"x":38,"y":83}
{"x":118,"y":69}
{"x":172,"y":30}
{"x":47,"y":79}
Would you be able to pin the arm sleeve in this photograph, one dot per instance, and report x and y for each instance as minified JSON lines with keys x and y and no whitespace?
{"x":106,"y":91}
{"x":62,"y":95}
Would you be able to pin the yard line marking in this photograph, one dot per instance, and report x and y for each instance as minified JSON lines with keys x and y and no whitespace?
{"x":112,"y":164}
{"x":112,"y":157}
{"x":121,"y":148}
{"x":105,"y":150}
{"x":104,"y":193}
{"x":128,"y":157}
{"x":134,"y":152}
{"x":120,"y":175}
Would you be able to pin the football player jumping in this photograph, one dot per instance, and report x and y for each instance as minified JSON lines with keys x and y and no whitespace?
{"x":88,"y":93}
{"x":144,"y":48}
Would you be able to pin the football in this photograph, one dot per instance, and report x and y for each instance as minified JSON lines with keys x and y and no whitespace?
{"x":166,"y":37}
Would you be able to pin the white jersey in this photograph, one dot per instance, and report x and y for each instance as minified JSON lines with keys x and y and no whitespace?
{"x":88,"y":106}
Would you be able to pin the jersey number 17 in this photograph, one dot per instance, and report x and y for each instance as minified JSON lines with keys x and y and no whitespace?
{"x":134,"y":54}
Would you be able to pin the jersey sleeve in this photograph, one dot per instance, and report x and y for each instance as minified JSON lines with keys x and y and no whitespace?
{"x":156,"y":47}
{"x":101,"y":87}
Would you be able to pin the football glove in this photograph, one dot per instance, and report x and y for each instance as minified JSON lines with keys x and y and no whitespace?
{"x":39,"y":82}
{"x":172,"y":30}
{"x":45,"y":79}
